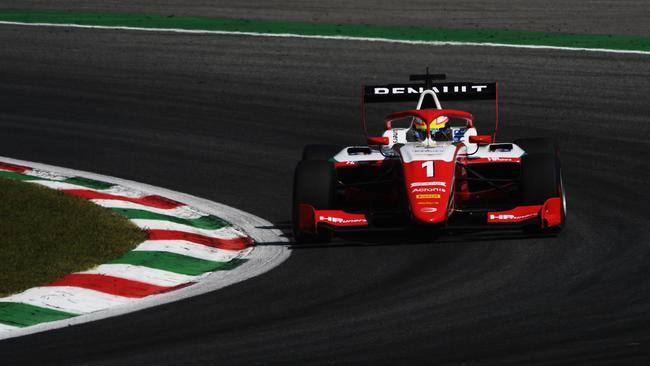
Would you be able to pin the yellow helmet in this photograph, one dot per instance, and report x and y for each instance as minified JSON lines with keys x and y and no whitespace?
{"x":435,"y":126}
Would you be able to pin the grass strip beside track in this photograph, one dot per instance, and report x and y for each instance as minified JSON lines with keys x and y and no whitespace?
{"x":398,"y":33}
{"x":46,"y":234}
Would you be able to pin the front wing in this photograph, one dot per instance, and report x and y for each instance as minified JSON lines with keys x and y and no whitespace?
{"x":544,"y":216}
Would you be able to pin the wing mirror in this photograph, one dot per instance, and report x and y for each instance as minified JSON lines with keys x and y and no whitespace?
{"x":378,"y":141}
{"x":480,"y":139}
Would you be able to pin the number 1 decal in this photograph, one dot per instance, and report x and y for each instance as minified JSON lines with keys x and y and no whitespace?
{"x":429,"y":167}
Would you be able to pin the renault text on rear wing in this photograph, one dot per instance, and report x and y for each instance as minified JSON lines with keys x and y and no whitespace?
{"x":444,"y":91}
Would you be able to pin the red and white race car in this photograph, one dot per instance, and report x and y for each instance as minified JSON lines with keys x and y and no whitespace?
{"x":429,"y":170}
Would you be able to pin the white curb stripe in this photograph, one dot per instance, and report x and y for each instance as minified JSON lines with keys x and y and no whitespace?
{"x":337,"y":38}
{"x":148,"y":275}
{"x":70,"y":299}
{"x":190,"y":249}
{"x":184,"y":212}
{"x":58,"y":185}
{"x":223,"y":233}
{"x":7,"y":328}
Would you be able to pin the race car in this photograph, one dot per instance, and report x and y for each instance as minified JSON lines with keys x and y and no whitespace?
{"x":429,"y":170}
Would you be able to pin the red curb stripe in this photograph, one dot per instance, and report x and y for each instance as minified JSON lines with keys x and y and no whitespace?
{"x":113,"y":285}
{"x":226,"y":244}
{"x":14,"y":168}
{"x":151,"y":201}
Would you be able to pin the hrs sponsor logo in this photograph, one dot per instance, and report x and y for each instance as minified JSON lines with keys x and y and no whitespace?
{"x":340,"y":220}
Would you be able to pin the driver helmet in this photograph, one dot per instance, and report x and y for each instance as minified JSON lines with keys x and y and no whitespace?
{"x":438,"y":127}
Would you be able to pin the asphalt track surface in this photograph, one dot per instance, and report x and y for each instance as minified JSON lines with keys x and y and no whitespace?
{"x":225,"y":118}
{"x":629,"y":17}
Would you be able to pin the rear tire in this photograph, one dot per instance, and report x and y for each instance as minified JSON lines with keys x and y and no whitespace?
{"x":313,"y":184}
{"x":541,"y":179}
{"x":320,"y":152}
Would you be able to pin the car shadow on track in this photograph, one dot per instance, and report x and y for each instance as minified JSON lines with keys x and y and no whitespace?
{"x":400,"y":238}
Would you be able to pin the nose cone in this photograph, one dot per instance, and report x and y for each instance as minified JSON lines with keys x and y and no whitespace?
{"x":428,"y":193}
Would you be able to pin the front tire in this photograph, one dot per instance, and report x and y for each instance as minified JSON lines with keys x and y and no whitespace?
{"x":313,"y":184}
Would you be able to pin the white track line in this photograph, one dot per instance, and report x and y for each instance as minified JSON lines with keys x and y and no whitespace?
{"x":343,"y":38}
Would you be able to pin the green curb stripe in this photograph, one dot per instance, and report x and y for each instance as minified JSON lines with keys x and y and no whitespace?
{"x":23,"y":315}
{"x":203,"y":222}
{"x":79,"y":181}
{"x":18,"y":176}
{"x":402,"y":33}
{"x":176,"y":263}
{"x":88,"y":183}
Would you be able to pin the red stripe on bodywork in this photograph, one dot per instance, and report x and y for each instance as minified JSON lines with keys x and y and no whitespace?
{"x":14,"y":168}
{"x":112,"y":285}
{"x":227,"y":244}
{"x":151,"y":201}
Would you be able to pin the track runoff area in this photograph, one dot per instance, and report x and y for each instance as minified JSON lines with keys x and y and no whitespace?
{"x":393,"y":34}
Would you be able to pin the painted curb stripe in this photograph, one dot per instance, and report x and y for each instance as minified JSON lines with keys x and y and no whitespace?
{"x":225,"y":233}
{"x":153,"y":201}
{"x":14,"y":167}
{"x":111,"y":285}
{"x":23,"y":315}
{"x":7,"y":328}
{"x":88,"y":183}
{"x":143,"y":274}
{"x":16,"y":176}
{"x":173,"y":262}
{"x":189,"y":249}
{"x":68,"y":299}
{"x":404,"y":34}
{"x":185,"y":212}
{"x":72,"y":182}
{"x":238,"y":243}
{"x":204,"y":222}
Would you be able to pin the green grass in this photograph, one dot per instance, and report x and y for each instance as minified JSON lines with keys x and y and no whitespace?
{"x":46,"y":234}
{"x":407,"y":33}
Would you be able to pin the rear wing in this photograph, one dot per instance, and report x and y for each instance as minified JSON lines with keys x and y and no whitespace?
{"x":444,"y":91}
